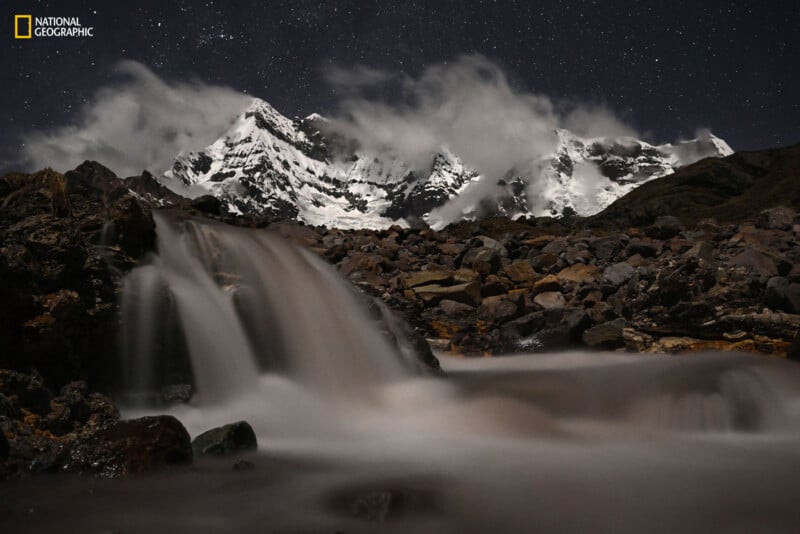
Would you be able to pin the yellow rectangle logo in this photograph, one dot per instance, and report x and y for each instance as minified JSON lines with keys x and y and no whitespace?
{"x":17,"y":20}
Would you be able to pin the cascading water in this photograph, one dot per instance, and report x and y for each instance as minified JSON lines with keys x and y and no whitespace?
{"x":247,"y":303}
{"x":572,"y":442}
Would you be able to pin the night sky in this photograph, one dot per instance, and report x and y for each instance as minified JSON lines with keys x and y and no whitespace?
{"x":665,"y":67}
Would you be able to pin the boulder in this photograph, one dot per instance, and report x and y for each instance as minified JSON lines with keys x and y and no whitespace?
{"x":701,"y":250}
{"x":606,"y":335}
{"x":134,"y":446}
{"x":605,"y":248}
{"x":544,"y":261}
{"x":226,"y":440}
{"x":780,"y":218}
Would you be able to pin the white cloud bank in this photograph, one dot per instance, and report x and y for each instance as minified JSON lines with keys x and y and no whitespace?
{"x":140,"y":122}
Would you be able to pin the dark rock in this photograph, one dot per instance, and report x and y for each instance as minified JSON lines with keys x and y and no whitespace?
{"x":664,"y":227}
{"x":453,"y":308}
{"x":550,"y":300}
{"x":520,"y":272}
{"x":134,"y":446}
{"x":780,"y":218}
{"x":756,"y":263}
{"x":501,"y":307}
{"x":607,"y":335}
{"x":701,"y":250}
{"x":207,"y":204}
{"x":618,"y":273}
{"x":225,"y":440}
{"x":467,"y":293}
{"x":605,"y":248}
{"x":646,"y":248}
{"x":4,"y":446}
{"x":495,"y":285}
{"x":176,"y":394}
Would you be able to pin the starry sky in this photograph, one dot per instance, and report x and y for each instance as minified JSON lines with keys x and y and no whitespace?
{"x":667,"y":68}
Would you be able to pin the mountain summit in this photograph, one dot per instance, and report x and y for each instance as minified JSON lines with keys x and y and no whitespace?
{"x":268,"y":164}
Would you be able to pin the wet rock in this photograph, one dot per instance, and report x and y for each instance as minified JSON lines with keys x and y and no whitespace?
{"x":225,"y":440}
{"x":636,"y":341}
{"x":606,"y":335}
{"x":176,"y":394}
{"x":550,"y":299}
{"x":134,"y":446}
{"x":776,"y":219}
{"x":617,"y":274}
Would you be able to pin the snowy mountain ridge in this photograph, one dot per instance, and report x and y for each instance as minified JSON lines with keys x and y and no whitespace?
{"x":268,"y":164}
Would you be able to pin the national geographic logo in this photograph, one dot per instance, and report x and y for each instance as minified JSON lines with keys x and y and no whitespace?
{"x":28,"y":27}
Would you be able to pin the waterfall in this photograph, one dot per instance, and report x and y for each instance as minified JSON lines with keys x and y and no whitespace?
{"x":245,"y":303}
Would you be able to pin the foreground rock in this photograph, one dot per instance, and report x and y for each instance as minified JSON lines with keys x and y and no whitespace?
{"x":226,"y":440}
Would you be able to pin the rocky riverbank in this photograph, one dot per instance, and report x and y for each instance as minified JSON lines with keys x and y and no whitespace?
{"x":649,"y":283}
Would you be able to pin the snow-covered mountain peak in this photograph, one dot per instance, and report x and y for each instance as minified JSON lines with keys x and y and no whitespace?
{"x":267,"y":164}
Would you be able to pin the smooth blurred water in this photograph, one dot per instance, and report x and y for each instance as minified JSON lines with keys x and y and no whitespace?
{"x":573,"y":442}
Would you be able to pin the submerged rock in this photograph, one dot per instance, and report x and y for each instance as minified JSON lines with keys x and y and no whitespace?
{"x":226,"y":440}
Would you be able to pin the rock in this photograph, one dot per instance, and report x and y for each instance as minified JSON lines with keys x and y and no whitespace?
{"x":701,"y":250}
{"x":646,"y":248}
{"x":486,"y":261}
{"x":520,"y":272}
{"x":579,"y":273}
{"x":617,"y":274}
{"x":467,"y":293}
{"x":501,"y":307}
{"x":495,"y":285}
{"x":605,"y":248}
{"x":756,"y":263}
{"x":453,"y":308}
{"x":543,"y":262}
{"x":550,"y":299}
{"x":225,"y":440}
{"x":428,"y":277}
{"x":207,"y":204}
{"x":4,"y":447}
{"x":664,"y":227}
{"x":776,"y":219}
{"x":636,"y":341}
{"x":176,"y":394}
{"x":548,"y":283}
{"x":134,"y":446}
{"x":385,"y":504}
{"x":606,"y":335}
{"x":465,"y":275}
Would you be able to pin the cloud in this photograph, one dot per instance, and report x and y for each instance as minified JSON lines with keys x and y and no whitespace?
{"x":468,"y":106}
{"x":140,"y":122}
